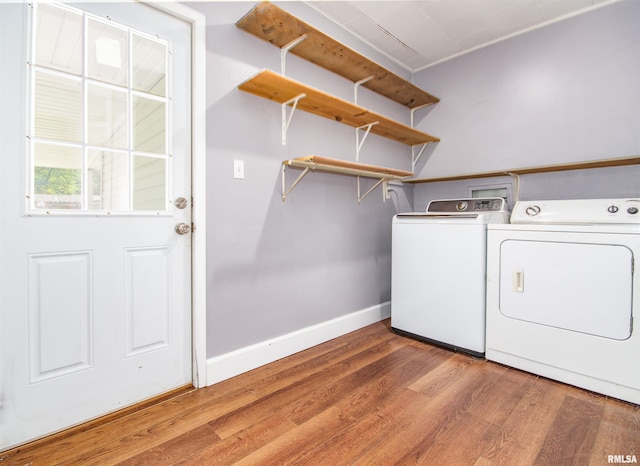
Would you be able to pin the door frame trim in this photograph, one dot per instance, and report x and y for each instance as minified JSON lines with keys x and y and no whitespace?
{"x":198,"y":184}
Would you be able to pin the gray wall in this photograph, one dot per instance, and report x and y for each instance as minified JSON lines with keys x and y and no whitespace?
{"x":564,"y":93}
{"x":601,"y":183}
{"x":276,"y":267}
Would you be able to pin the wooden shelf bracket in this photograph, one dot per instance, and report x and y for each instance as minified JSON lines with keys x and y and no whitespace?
{"x":286,"y":121}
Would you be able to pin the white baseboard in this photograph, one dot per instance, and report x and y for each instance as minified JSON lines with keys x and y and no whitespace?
{"x":228,"y":365}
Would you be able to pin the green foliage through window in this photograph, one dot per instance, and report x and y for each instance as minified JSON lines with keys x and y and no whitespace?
{"x":50,"y":180}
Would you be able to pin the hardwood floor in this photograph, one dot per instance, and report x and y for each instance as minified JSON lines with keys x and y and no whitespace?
{"x":368,"y":398}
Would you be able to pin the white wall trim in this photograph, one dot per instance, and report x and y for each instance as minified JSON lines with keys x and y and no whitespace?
{"x":228,"y":365}
{"x":198,"y":183}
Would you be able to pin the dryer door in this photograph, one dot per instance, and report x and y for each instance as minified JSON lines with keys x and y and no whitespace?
{"x":579,"y":287}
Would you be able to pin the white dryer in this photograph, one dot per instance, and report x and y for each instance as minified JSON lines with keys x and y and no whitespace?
{"x":438,"y":272}
{"x":562,"y":295}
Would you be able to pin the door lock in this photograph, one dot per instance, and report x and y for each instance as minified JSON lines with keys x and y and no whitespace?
{"x":180,"y":203}
{"x":183,"y":228}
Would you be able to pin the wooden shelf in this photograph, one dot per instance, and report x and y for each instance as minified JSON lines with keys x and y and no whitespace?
{"x":287,"y":32}
{"x":539,"y":169}
{"x":326,"y":164}
{"x":278,"y":27}
{"x":342,"y":167}
{"x":281,"y":89}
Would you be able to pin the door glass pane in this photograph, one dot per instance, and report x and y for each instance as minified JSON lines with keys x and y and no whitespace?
{"x":57,"y":108}
{"x":108,"y":53}
{"x":99,"y":114}
{"x":149,"y":65}
{"x":149,"y":125}
{"x":59,"y":39}
{"x":109,"y":178}
{"x":107,"y":117}
{"x":149,"y":183}
{"x":57,"y":175}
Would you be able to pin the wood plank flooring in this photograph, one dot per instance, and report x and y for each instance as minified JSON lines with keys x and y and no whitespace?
{"x":367,"y":398}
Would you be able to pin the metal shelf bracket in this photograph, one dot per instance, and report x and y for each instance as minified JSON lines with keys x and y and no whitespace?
{"x":286,"y":121}
{"x":366,"y":128}
{"x":356,"y":85}
{"x":385,"y":190}
{"x":415,"y":157}
{"x":413,"y":112}
{"x":285,"y":191}
{"x":359,"y":142}
{"x":285,"y":49}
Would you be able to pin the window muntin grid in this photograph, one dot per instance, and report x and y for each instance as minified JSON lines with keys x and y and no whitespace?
{"x":100,"y":116}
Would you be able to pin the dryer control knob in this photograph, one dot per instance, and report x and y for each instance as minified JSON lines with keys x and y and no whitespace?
{"x":460,"y":206}
{"x":612,"y":209}
{"x":632,"y":210}
{"x":532,"y":210}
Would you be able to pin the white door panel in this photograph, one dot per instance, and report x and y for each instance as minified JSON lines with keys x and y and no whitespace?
{"x":95,"y":308}
{"x":60,"y":314}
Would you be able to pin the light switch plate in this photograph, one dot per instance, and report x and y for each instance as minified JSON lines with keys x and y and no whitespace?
{"x":238,"y":169}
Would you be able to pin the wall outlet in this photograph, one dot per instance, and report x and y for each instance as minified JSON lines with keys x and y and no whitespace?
{"x":238,"y":169}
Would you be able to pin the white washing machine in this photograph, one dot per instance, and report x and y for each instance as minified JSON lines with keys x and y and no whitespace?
{"x":562,"y":295}
{"x":438,"y":272}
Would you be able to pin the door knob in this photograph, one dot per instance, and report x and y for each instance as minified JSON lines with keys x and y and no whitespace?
{"x":183,"y":228}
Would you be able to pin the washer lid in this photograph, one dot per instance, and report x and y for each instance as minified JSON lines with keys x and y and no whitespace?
{"x":482,"y":218}
{"x":578,"y":211}
{"x":474,"y":210}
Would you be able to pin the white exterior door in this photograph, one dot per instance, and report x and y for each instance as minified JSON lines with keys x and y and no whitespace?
{"x":95,"y":301}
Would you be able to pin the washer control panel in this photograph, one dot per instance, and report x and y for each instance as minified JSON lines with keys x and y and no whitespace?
{"x":577,"y":211}
{"x":489,"y":204}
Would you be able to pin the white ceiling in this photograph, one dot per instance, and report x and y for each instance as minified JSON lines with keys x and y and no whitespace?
{"x":420,"y":33}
